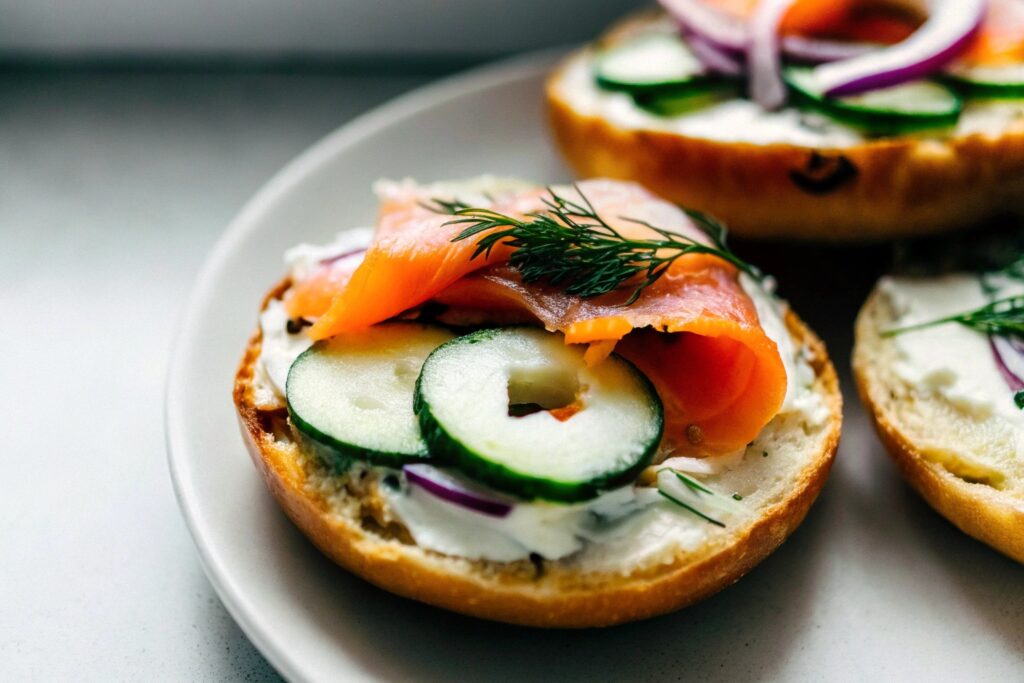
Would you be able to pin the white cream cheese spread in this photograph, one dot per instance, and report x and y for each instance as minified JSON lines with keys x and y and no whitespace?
{"x":550,"y":530}
{"x":277,"y":353}
{"x":950,"y":360}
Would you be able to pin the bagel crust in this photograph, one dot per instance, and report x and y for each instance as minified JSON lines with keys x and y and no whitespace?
{"x":981,"y":511}
{"x":893,"y":187}
{"x":540,"y":593}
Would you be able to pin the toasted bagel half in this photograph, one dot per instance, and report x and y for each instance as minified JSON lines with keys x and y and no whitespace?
{"x":929,"y":439}
{"x":345,"y":516}
{"x":804,"y":186}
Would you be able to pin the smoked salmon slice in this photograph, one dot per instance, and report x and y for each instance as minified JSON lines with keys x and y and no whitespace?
{"x":837,"y":19}
{"x":313,"y":295}
{"x":412,"y":258}
{"x":695,"y":331}
{"x":804,"y":16}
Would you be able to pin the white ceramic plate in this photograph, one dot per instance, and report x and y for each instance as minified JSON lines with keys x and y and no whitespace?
{"x":873,"y":583}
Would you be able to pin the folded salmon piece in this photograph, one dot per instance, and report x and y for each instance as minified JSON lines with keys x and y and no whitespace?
{"x":695,"y":332}
{"x":413,"y":256}
{"x":803,"y":16}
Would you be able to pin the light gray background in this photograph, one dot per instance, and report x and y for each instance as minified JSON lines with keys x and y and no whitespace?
{"x":113,"y":188}
{"x":303,"y":27}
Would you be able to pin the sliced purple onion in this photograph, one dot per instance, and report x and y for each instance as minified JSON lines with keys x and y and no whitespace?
{"x":1009,"y":355}
{"x":763,"y":56}
{"x":1017,"y":343}
{"x":713,"y":58}
{"x":730,"y":35}
{"x":453,"y":489}
{"x":949,"y":27}
{"x":818,"y":51}
{"x":720,"y":29}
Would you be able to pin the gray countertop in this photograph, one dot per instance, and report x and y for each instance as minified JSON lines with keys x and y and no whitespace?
{"x":113,"y":188}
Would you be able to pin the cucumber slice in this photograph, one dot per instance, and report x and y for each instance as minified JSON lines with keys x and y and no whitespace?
{"x":354,"y":393}
{"x":989,"y":81}
{"x":914,"y":105}
{"x":669,"y":103}
{"x":518,"y":409}
{"x":652,"y":62}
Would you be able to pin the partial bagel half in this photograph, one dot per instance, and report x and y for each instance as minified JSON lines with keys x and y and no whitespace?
{"x":345,"y":516}
{"x":884,"y":187}
{"x":935,"y":446}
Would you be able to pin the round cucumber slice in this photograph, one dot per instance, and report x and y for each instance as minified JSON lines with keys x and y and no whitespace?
{"x":651,"y":62}
{"x":989,"y":81}
{"x":354,"y":393}
{"x":909,"y":106}
{"x":518,"y":409}
{"x":685,"y":100}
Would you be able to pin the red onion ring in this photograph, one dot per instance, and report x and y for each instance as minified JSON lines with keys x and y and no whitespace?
{"x":1017,"y":344}
{"x":730,"y":35}
{"x":714,"y":58}
{"x":815,"y":51}
{"x":451,"y":489}
{"x":949,"y":27}
{"x":845,"y":68}
{"x":763,"y":56}
{"x":724,"y":31}
{"x":1009,"y":356}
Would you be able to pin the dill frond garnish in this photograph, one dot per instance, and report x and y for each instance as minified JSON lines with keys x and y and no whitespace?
{"x":696,"y":488}
{"x":690,"y":508}
{"x":570,"y":246}
{"x":1000,"y":317}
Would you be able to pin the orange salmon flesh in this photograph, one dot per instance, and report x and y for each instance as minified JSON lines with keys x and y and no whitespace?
{"x":695,"y":332}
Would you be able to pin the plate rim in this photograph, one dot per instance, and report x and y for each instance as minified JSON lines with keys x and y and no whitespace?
{"x":401,"y":108}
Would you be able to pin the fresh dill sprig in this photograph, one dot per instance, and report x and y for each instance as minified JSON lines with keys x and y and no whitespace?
{"x":569,"y":245}
{"x":694,"y":486}
{"x":690,"y":508}
{"x":1000,"y":317}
